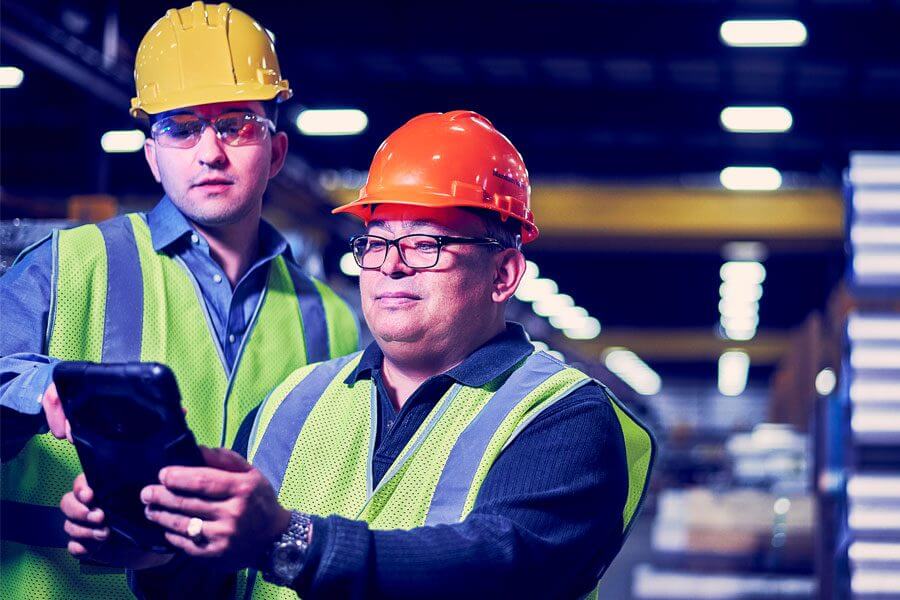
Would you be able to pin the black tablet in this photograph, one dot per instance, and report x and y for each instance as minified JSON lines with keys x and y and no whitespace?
{"x":127,"y":424}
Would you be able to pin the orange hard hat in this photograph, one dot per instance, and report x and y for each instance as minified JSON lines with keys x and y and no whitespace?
{"x":454,"y":159}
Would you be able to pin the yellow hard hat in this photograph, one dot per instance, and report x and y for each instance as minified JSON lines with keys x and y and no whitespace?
{"x":202,"y":54}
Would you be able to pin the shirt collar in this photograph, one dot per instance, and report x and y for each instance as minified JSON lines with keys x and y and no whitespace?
{"x":168,"y":225}
{"x":497,"y":356}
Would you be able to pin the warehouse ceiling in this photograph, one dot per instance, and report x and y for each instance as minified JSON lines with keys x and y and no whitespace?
{"x":601,"y":95}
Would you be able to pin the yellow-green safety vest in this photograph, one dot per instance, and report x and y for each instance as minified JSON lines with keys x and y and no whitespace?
{"x":116,"y":299}
{"x":313,"y":438}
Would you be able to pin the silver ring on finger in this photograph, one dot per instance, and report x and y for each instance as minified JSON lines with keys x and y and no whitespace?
{"x":195,"y":530}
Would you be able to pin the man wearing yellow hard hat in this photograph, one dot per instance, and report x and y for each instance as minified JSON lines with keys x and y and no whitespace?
{"x":448,"y":459}
{"x":199,"y":283}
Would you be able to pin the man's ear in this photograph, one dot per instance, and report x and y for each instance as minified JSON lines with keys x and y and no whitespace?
{"x":279,"y":153}
{"x":150,"y":154}
{"x":508,"y":272}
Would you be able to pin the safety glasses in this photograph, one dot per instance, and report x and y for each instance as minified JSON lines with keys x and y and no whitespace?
{"x":235,"y":129}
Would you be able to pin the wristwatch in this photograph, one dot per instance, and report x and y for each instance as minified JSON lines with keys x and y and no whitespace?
{"x":288,"y":554}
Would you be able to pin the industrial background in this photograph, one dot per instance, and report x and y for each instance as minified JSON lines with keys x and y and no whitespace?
{"x":717,"y":185}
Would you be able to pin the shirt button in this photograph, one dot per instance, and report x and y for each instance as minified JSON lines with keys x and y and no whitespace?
{"x":231,"y":338}
{"x":217,"y":278}
{"x":195,"y":238}
{"x":390,"y":424}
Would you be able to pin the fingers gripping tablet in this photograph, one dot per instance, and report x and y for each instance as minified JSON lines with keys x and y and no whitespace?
{"x":127,"y":424}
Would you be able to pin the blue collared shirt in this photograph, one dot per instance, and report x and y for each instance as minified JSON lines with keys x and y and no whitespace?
{"x":546,"y":523}
{"x":25,"y":368}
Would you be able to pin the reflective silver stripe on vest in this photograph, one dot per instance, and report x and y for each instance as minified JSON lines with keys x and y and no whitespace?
{"x":459,"y":471}
{"x":312,"y":313}
{"x":281,"y":434}
{"x":123,"y":322}
{"x":33,"y":524}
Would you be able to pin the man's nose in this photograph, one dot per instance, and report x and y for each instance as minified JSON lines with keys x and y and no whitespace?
{"x":210,"y":150}
{"x":393,"y":265}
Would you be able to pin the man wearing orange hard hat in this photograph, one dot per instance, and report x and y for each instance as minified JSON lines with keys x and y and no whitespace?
{"x":448,"y":459}
{"x":199,"y":283}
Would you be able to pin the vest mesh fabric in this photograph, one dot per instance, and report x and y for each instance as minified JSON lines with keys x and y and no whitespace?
{"x":175,"y":332}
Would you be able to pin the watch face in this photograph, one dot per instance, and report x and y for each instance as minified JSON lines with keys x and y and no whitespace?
{"x":287,"y":560}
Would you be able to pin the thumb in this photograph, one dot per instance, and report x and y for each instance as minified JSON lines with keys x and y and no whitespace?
{"x":225,"y":459}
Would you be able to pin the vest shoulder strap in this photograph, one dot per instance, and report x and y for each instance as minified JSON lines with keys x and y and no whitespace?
{"x":282,"y":415}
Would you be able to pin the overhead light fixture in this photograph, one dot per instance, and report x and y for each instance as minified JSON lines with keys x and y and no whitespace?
{"x":130,"y":140}
{"x":338,"y":121}
{"x":734,"y":367}
{"x":569,"y":318}
{"x":875,"y":357}
{"x":587,"y":329}
{"x":629,"y":367}
{"x":532,"y":271}
{"x":11,"y":77}
{"x":750,"y":179}
{"x":825,"y":381}
{"x":533,"y":290}
{"x":876,"y":265}
{"x":874,"y":391}
{"x":883,"y":327}
{"x":874,"y":552}
{"x":349,"y":266}
{"x":875,"y":235}
{"x":742,"y":272}
{"x":763,"y":33}
{"x":552,"y":305}
{"x":756,"y":119}
{"x":876,"y":201}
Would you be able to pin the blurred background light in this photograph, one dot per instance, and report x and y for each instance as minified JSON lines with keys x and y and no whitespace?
{"x":750,"y":179}
{"x":11,"y":77}
{"x":756,"y":119}
{"x":337,"y":121}
{"x":763,"y":33}
{"x":131,"y":140}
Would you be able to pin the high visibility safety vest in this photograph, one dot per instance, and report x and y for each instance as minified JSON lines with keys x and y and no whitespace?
{"x":116,"y":299}
{"x":314,"y":438}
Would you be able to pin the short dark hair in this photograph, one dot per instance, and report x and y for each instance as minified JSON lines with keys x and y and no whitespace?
{"x":508,"y":232}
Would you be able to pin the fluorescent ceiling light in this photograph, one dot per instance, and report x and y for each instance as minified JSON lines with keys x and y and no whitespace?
{"x":874,"y":552}
{"x":130,"y":140}
{"x":873,"y":328}
{"x":736,"y":291}
{"x":731,"y":309}
{"x":875,"y":175}
{"x":756,"y":119}
{"x":531,"y":270}
{"x":349,"y":266}
{"x":750,"y":179}
{"x":536,"y":289}
{"x":875,"y":421}
{"x":569,"y":318}
{"x":877,"y":264}
{"x":734,"y":366}
{"x":339,"y":121}
{"x":825,"y":381}
{"x":876,"y":201}
{"x":875,"y":391}
{"x":866,"y":583}
{"x":741,"y":335}
{"x":748,"y":272}
{"x":740,"y":323}
{"x":11,"y":77}
{"x":588,"y":329}
{"x":763,"y":33}
{"x":552,"y":305}
{"x":873,"y":487}
{"x":875,"y":357}
{"x":629,"y":367}
{"x":875,"y":235}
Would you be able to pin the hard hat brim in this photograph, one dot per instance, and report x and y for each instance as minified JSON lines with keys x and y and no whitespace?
{"x":211,"y":95}
{"x":363,"y":209}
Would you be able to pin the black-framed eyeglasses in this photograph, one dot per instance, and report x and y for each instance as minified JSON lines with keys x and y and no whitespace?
{"x":235,"y":129}
{"x":417,"y":250}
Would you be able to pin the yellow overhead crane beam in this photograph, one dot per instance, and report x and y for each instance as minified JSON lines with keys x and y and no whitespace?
{"x":594,"y":215}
